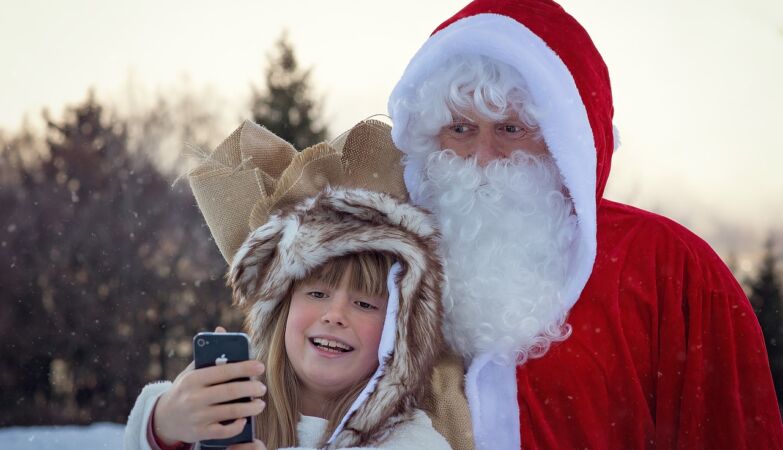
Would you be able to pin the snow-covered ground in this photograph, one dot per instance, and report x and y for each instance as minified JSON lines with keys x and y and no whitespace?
{"x":97,"y":436}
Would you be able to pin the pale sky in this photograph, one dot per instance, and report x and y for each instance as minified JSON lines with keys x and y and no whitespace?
{"x":697,"y":83}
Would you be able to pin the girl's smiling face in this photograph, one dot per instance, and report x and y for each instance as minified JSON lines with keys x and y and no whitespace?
{"x":332,"y":335}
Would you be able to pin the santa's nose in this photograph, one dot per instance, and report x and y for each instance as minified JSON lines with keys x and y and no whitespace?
{"x":487,"y":148}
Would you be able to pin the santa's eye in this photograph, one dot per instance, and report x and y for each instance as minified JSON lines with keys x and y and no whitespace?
{"x":458,"y":128}
{"x":513,"y":130}
{"x":517,"y":130}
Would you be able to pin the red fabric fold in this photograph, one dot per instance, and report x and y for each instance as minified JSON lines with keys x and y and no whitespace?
{"x":666,"y":352}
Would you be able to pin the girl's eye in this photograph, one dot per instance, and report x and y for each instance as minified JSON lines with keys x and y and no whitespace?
{"x":365,"y":305}
{"x":316,"y":294}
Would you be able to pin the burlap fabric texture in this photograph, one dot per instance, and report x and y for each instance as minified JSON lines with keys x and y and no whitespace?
{"x":254,"y":172}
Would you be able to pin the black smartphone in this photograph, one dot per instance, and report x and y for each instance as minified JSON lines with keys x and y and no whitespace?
{"x":210,"y":349}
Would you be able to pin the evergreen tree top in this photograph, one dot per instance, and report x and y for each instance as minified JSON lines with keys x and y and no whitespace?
{"x":285,"y":105}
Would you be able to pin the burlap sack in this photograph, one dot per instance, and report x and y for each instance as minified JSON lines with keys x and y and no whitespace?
{"x":253,"y":172}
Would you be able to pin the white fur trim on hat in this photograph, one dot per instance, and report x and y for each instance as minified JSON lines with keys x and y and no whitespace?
{"x":563,"y":119}
{"x":491,"y":390}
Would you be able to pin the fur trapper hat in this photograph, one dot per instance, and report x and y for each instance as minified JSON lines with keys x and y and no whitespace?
{"x":337,"y":222}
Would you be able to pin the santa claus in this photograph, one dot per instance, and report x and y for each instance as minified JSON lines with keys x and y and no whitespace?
{"x":580,"y":322}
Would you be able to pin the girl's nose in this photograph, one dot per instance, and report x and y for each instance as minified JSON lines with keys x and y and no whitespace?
{"x":334,"y":313}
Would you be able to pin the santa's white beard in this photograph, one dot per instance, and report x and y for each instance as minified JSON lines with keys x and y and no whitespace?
{"x":507,"y":229}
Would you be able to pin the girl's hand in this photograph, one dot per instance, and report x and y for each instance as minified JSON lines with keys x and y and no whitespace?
{"x":255,"y":445}
{"x":192,"y":411}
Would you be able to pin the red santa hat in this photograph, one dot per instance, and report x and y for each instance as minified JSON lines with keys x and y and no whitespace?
{"x":568,"y":82}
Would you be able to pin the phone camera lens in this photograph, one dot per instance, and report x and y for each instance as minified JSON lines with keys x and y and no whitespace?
{"x":201,"y":342}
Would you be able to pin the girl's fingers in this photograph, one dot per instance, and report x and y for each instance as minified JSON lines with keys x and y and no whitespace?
{"x":220,"y":330}
{"x":221,"y":393}
{"x":230,"y":411}
{"x":190,"y":368}
{"x":218,"y":431}
{"x":209,"y":376}
{"x":255,"y":445}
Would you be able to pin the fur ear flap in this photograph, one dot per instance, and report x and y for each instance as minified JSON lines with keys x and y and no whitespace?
{"x":251,"y":262}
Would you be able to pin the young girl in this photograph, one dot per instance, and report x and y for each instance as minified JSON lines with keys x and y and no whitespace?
{"x":342,"y":300}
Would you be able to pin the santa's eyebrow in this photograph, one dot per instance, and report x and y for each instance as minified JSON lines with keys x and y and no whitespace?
{"x":457,"y":117}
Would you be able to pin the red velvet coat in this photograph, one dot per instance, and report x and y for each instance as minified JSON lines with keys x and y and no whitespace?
{"x":666,"y":351}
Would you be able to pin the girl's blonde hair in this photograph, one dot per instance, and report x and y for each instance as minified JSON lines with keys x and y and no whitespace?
{"x":276,"y":425}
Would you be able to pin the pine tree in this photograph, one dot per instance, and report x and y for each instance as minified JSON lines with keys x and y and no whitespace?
{"x":285,"y":106}
{"x":766,"y":296}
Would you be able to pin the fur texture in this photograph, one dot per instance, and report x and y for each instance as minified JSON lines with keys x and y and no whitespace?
{"x":336,"y":222}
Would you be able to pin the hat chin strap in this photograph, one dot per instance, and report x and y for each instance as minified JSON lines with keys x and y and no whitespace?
{"x":385,"y":347}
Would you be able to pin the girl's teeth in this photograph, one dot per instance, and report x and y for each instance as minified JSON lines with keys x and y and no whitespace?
{"x":333,"y":346}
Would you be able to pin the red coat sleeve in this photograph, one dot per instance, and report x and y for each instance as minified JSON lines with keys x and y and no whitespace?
{"x":665,"y":352}
{"x":713,"y":383}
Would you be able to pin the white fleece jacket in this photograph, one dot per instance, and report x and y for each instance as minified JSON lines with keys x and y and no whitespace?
{"x":415,"y":434}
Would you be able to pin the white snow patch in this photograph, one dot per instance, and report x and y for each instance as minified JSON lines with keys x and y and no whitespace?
{"x":95,"y":436}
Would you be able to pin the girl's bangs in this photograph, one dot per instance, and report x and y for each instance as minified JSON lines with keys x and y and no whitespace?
{"x":368,"y":272}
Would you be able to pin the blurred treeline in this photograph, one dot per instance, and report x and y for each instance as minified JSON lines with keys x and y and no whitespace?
{"x":108,"y":268}
{"x":765,"y":290}
{"x":107,"y":271}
